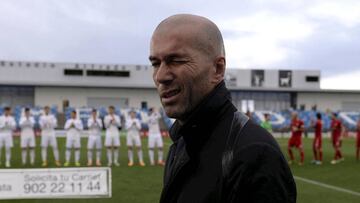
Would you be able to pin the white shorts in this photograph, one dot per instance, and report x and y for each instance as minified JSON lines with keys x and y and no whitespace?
{"x":6,"y":140}
{"x":133,"y":139}
{"x":112,"y":141}
{"x":27,"y":141}
{"x":94,"y":141}
{"x":73,"y":142}
{"x":47,"y":140}
{"x":155,"y":141}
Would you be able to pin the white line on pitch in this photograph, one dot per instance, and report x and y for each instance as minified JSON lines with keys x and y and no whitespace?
{"x":327,"y":186}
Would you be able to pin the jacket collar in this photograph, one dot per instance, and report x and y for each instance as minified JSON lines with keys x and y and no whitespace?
{"x":203,"y":118}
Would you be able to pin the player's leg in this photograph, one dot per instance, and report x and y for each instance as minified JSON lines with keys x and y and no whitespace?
{"x":108,"y":144}
{"x":302,"y":156}
{"x":315,"y":152}
{"x":8,"y":145}
{"x":44,"y":147}
{"x":137,"y":140}
{"x":23,"y":143}
{"x":55,"y":149}
{"x":90,"y":147}
{"x":98,"y":150}
{"x":290,"y":152}
{"x":116,"y":145}
{"x":77,"y":146}
{"x":1,"y":146}
{"x":160,"y":146}
{"x":151,"y":149}
{"x":32,"y":149}
{"x":129,"y":144}
{"x":69,"y":144}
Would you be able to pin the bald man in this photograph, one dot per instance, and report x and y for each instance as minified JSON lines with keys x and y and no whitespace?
{"x":218,"y":154}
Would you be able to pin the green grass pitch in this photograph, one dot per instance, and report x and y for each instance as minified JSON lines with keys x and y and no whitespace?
{"x":143,"y":184}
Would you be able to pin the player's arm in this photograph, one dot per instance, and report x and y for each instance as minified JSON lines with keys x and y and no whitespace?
{"x":32,"y":122}
{"x":79,"y":125}
{"x":138,"y":124}
{"x":23,"y":122}
{"x":2,"y":123}
{"x":41,"y":122}
{"x":128,"y":124}
{"x":67,"y":125}
{"x":107,"y":121}
{"x":90,"y":123}
{"x":99,"y":123}
{"x":302,"y":127}
{"x":117,"y":121}
{"x":12,"y":124}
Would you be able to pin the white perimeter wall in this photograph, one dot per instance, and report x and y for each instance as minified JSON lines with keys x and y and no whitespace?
{"x":78,"y":97}
{"x":333,"y":101}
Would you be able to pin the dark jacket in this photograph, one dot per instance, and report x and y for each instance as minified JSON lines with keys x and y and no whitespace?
{"x":218,"y":155}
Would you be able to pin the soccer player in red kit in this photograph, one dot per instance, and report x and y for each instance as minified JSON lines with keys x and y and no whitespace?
{"x":317,"y":143}
{"x":297,"y":128}
{"x":336,"y":127}
{"x":358,"y":140}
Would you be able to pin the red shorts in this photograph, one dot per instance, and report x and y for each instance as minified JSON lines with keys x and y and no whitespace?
{"x":336,"y":141}
{"x":295,"y":142}
{"x":317,"y":144}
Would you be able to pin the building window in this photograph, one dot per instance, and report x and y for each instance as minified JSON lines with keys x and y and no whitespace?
{"x":312,"y":78}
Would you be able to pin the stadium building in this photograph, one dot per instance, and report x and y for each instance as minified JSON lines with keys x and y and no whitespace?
{"x":79,"y":85}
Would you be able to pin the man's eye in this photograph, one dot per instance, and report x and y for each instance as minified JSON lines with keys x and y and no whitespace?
{"x":178,"y":61}
{"x":155,"y":64}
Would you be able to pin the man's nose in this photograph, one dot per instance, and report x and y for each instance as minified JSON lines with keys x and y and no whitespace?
{"x":164,"y":74}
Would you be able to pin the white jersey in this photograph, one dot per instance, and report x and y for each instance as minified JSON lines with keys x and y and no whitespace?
{"x":27,"y":126}
{"x":133,"y":126}
{"x":95,"y":126}
{"x":7,"y":125}
{"x":112,"y":124}
{"x":73,"y":127}
{"x":153,"y":122}
{"x":47,"y":124}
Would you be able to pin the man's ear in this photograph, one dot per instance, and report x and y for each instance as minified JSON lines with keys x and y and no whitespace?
{"x":220,"y":65}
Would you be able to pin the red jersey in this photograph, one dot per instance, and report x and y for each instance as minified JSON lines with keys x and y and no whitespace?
{"x":318,"y":128}
{"x":297,"y":127}
{"x":336,"y":127}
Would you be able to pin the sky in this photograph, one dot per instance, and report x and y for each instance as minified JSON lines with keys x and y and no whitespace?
{"x":258,"y":34}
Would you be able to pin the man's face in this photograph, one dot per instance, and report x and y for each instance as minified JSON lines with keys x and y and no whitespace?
{"x":294,"y":116}
{"x":132,"y":115}
{"x":94,"y":114}
{"x":111,"y":111}
{"x":182,"y":73}
{"x":73,"y":115}
{"x":7,"y":112}
{"x":27,"y":113}
{"x":47,"y":110}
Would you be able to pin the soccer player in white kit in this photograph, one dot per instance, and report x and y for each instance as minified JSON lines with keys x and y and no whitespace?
{"x":27,"y":137}
{"x":7,"y":125}
{"x":155,"y":139}
{"x":73,"y":126}
{"x":112,"y":141}
{"x":133,"y":127}
{"x":47,"y":124}
{"x":94,"y":141}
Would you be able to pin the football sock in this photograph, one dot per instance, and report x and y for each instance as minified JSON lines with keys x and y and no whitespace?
{"x":151,"y":156}
{"x":67,"y":155}
{"x":160,"y":155}
{"x":56,"y":154}
{"x":23,"y":156}
{"x":98,"y":154}
{"x":32,"y":156}
{"x":43,"y":154}
{"x":89,"y":154}
{"x":116,"y":155}
{"x":140,"y":155}
{"x":291,"y":154}
{"x":130,"y":155}
{"x":77,"y":155}
{"x":109,"y":155}
{"x":8,"y":154}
